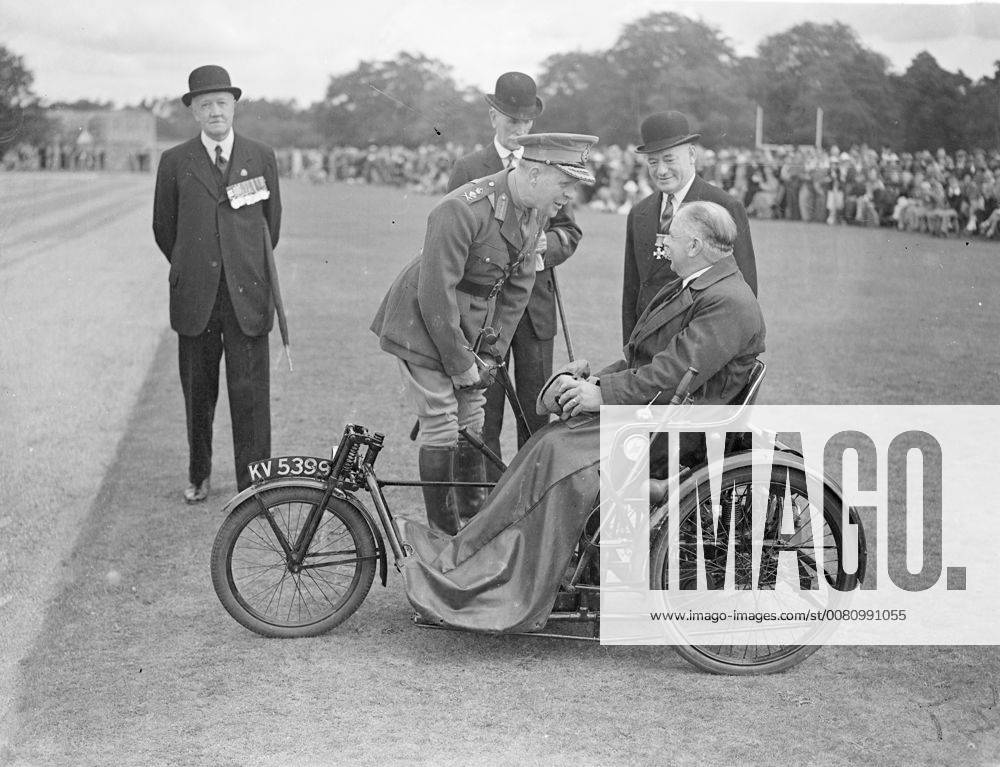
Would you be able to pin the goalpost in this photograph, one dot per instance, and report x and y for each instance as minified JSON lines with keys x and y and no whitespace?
{"x":759,"y":133}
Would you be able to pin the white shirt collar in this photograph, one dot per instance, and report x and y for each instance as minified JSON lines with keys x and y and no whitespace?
{"x":504,"y":152}
{"x":691,"y":277}
{"x":226,"y":144}
{"x":678,"y":196}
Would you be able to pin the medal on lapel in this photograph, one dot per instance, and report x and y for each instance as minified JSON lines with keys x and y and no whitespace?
{"x":659,"y":249}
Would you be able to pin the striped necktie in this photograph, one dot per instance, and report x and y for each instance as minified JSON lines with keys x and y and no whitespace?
{"x":666,"y":216}
{"x":220,"y":161}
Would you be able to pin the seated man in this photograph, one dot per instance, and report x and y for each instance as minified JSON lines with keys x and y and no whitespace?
{"x":501,"y":572}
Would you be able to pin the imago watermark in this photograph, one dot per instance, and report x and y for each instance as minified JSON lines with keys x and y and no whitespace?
{"x":799,"y":525}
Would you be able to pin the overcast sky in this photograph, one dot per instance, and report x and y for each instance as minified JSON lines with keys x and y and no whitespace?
{"x":124,"y":50}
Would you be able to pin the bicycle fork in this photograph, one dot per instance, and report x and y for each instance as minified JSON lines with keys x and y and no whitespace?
{"x":399,"y":549}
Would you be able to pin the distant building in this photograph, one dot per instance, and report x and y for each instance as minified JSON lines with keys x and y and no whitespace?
{"x":112,"y":139}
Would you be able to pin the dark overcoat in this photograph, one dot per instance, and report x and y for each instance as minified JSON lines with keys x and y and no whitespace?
{"x":645,"y":274}
{"x":700,"y":327}
{"x":201,"y":234}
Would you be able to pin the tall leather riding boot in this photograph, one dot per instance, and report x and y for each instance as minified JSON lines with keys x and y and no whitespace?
{"x":436,"y":465}
{"x":470,"y":466}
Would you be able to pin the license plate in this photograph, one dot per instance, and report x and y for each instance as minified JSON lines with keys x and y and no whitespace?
{"x":289,"y":466}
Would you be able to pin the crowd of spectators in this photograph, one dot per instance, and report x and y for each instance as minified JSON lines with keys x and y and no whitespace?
{"x":937,"y":193}
{"x":424,"y":169}
{"x":54,"y":156}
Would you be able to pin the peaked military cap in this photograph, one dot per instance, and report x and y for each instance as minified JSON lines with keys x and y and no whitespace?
{"x":568,"y":152}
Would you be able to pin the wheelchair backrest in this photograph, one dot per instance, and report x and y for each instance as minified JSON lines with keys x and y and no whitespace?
{"x":748,"y":394}
{"x":746,"y":397}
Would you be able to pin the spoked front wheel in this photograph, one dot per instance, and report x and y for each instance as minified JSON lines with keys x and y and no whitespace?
{"x":275,"y":597}
{"x":786,"y":504}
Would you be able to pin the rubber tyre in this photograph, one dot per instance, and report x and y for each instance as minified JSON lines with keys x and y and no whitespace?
{"x":718,"y":660}
{"x":254,"y":584}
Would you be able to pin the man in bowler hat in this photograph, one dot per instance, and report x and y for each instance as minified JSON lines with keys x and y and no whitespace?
{"x":216,"y":217}
{"x":513,"y":108}
{"x":668,"y":144}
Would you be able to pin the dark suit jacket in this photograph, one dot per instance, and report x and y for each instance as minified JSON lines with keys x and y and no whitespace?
{"x":714,"y":325}
{"x":201,"y":234}
{"x":645,"y":275}
{"x":561,"y":235}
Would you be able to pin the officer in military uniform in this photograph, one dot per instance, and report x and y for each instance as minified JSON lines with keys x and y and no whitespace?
{"x":475,"y":271}
{"x":513,"y":108}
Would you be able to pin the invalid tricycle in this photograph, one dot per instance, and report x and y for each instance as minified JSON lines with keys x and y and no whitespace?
{"x":298,"y":550}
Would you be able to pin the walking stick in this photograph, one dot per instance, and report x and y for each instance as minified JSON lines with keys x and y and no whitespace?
{"x":523,"y":430}
{"x":562,"y":315}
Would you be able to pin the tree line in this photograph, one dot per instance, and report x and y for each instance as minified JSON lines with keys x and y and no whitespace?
{"x":661,"y":61}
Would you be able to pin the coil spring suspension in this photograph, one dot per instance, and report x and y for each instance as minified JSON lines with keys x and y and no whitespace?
{"x":351,"y":462}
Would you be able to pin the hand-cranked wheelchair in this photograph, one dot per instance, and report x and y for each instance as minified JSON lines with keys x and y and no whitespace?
{"x":298,"y":551}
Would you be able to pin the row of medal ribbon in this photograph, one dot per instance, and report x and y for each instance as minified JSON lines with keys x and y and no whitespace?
{"x":248,"y":192}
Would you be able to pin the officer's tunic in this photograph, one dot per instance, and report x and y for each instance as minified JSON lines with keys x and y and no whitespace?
{"x":436,"y":307}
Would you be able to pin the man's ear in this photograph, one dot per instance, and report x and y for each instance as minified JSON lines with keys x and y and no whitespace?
{"x":696,"y":247}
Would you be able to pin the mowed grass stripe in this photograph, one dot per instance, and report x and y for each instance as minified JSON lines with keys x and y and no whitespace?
{"x":43,"y":186}
{"x":80,"y":327}
{"x":378,"y":689}
{"x":106,"y":650}
{"x":30,"y":192}
{"x":48,"y":226}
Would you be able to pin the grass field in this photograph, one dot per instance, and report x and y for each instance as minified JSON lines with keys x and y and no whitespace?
{"x":151,"y":670}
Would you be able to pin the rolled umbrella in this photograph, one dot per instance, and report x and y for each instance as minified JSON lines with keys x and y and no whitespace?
{"x":276,"y":294}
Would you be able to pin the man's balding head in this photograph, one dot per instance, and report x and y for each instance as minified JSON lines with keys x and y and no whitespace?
{"x":700,"y":234}
{"x":713,"y":224}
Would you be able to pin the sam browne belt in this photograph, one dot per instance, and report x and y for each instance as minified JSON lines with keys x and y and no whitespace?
{"x":475,"y":289}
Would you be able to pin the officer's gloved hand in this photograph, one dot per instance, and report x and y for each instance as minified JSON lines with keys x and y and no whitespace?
{"x":487,"y":369}
{"x":577,"y":368}
{"x":467,"y":379}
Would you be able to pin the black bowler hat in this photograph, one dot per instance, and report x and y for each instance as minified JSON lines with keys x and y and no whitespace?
{"x":516,"y":96}
{"x":664,"y":130}
{"x":209,"y":79}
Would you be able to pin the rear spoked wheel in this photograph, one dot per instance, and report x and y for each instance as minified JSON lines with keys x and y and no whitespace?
{"x":268,"y":594}
{"x":762,"y":650}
